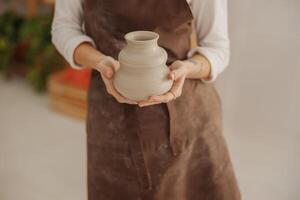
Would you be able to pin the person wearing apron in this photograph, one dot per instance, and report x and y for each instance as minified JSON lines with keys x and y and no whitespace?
{"x":169,"y":147}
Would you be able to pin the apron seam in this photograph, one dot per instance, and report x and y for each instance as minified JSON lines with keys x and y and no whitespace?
{"x":145,"y":162}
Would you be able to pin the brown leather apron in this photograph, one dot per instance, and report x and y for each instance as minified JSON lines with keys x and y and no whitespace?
{"x":173,"y":151}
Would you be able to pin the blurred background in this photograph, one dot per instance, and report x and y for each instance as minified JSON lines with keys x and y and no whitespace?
{"x":43,"y":104}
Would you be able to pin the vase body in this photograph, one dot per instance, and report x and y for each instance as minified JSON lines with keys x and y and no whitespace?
{"x":143,"y":71}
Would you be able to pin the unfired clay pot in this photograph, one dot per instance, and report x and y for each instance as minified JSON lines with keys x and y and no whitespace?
{"x":143,"y":70}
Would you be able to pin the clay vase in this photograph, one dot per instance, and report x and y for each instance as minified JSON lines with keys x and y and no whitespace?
{"x":143,"y":71}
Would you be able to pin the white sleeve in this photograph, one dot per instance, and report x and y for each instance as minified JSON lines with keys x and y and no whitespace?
{"x":211,"y":23}
{"x":67,"y":28}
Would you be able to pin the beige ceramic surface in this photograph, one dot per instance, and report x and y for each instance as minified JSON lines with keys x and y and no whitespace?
{"x":143,"y":70}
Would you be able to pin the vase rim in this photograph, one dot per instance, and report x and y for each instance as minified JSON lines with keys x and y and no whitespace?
{"x":141,"y":37}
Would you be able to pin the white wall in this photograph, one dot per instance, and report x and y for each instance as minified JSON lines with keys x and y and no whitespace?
{"x":261,"y":87}
{"x":261,"y":97}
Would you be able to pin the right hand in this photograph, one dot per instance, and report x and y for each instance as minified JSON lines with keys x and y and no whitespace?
{"x":107,"y":67}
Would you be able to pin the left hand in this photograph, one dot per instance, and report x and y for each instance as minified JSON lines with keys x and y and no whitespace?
{"x":179,"y":71}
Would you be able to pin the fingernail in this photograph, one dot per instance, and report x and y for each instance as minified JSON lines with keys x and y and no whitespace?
{"x":154,"y":98}
{"x":108,"y":73}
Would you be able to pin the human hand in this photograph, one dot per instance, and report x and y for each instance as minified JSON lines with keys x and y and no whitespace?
{"x":107,"y":67}
{"x":179,"y":70}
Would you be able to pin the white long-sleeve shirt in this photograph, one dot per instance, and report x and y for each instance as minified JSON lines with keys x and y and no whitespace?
{"x":210,"y":22}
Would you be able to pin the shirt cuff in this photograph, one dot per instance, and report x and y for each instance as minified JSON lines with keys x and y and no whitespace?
{"x":211,"y":57}
{"x":72,"y":44}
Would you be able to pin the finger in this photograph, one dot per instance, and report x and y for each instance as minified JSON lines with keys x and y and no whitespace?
{"x":121,"y":99}
{"x":177,"y":73}
{"x":107,"y":71}
{"x":115,"y":65}
{"x":178,"y":70}
{"x":163,"y":98}
{"x":108,"y":66}
{"x":112,"y":91}
{"x":125,"y":100}
{"x":177,"y":87}
{"x":145,"y":102}
{"x":174,"y":92}
{"x":112,"y":63}
{"x":176,"y":64}
{"x":148,"y":103}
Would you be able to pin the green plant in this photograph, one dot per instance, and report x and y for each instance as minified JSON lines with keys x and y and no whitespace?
{"x":10,"y":24}
{"x":28,"y":41}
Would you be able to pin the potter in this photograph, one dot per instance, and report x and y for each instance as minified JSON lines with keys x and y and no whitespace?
{"x":171,"y":146}
{"x":143,"y":71}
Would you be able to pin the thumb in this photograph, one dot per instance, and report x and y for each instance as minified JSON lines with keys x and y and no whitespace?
{"x":108,"y":72}
{"x":177,"y":73}
{"x":105,"y":70}
{"x":108,"y":66}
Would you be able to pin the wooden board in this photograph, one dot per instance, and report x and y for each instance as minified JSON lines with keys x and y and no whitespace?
{"x":66,"y":108}
{"x":65,"y":98}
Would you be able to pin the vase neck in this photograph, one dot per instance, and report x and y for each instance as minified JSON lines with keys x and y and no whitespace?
{"x":142,"y":40}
